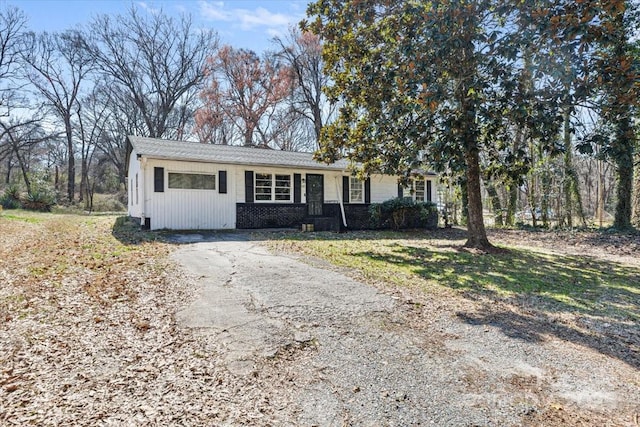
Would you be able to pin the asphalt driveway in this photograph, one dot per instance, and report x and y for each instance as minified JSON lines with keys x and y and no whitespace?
{"x":346,"y":353}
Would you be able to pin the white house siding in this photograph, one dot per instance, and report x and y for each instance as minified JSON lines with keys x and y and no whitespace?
{"x":383,"y":187}
{"x":190,"y":209}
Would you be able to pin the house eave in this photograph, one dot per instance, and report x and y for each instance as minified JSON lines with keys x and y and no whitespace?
{"x":247,"y":163}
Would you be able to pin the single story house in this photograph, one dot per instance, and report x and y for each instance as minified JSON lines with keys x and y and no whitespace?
{"x":185,"y":185}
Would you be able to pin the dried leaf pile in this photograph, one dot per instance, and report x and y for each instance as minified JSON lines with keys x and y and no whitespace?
{"x":88,"y":337}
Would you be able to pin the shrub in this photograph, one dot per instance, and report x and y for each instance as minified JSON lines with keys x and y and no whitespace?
{"x":42,"y":196}
{"x":401,"y":213}
{"x":11,"y":198}
{"x":39,"y":200}
{"x":108,"y":203}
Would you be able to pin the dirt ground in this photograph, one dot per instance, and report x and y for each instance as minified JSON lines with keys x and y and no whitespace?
{"x":97,"y":329}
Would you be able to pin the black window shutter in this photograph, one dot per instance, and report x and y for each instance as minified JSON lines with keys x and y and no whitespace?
{"x":158,"y":180}
{"x":428,"y":196}
{"x":297,"y":188}
{"x":400,"y":191}
{"x":248,"y":186}
{"x":345,"y":189}
{"x":222,"y":184}
{"x":367,"y":190}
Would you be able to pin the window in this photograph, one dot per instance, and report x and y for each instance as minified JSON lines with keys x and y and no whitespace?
{"x":158,"y":180}
{"x":419,"y":190}
{"x":192,"y":181}
{"x":422,"y":190}
{"x":272,"y":187}
{"x":356,"y":190}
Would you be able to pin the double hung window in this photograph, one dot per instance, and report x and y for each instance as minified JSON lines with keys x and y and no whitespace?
{"x":356,"y":190}
{"x":272,"y":187}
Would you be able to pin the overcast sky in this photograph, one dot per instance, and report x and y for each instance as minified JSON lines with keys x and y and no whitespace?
{"x":241,"y":23}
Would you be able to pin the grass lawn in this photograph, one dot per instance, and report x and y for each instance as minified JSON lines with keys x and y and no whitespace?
{"x":433,"y":263}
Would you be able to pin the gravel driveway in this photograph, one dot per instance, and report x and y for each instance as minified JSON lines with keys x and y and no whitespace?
{"x":339,"y":352}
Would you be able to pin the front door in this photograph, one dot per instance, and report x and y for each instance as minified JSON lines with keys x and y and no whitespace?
{"x":315,"y":194}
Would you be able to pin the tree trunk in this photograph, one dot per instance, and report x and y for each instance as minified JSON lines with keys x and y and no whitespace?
{"x":496,"y":205}
{"x":56,"y":181}
{"x":568,"y":165}
{"x":600,"y":187}
{"x":512,"y":204}
{"x":71,"y":171}
{"x":476,"y":233}
{"x":464,"y":202}
{"x":25,"y":171}
{"x":624,"y":172}
{"x":248,"y":137}
{"x":636,"y":193}
{"x":545,"y":183}
{"x":9,"y":168}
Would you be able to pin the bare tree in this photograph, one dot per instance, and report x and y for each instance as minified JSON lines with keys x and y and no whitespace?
{"x":302,"y":52}
{"x":17,"y":139}
{"x":58,"y":65}
{"x":12,"y":27}
{"x":92,"y":120}
{"x":158,"y":61}
{"x":120,"y":117}
{"x":291,"y":131}
{"x":247,"y":89}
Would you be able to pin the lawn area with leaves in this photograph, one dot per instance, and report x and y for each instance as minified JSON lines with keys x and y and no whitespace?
{"x":88,"y":334}
{"x":42,"y":251}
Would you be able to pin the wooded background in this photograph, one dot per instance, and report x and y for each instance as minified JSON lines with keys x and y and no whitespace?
{"x":533,"y":106}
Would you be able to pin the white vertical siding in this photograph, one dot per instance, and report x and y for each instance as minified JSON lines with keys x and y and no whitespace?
{"x":383,"y":187}
{"x":182,"y":209}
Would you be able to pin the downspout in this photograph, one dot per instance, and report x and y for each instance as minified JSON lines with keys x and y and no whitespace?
{"x":141,"y":188}
{"x":344,"y":217}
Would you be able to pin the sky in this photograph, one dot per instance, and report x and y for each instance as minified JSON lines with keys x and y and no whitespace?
{"x":240,"y":23}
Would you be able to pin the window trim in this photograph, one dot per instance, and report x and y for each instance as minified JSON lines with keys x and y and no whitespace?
{"x":272,"y":189}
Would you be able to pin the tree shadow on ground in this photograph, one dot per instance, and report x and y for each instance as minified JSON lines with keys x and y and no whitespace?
{"x":532,"y":290}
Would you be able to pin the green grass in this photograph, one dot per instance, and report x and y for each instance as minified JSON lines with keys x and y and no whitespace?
{"x":559,"y":282}
{"x":22,"y":215}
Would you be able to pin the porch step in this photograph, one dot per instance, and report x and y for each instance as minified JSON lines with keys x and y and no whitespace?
{"x":327,"y":223}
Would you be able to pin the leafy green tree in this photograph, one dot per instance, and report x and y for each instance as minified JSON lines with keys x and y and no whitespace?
{"x":438,"y":77}
{"x":619,"y":74}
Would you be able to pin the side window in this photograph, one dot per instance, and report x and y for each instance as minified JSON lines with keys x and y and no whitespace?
{"x":419,"y":190}
{"x":158,"y":180}
{"x":356,"y":190}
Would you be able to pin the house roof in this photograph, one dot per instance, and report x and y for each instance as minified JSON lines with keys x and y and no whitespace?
{"x":229,"y":154}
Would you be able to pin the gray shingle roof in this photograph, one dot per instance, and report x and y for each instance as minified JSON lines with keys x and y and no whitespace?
{"x":229,"y":154}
